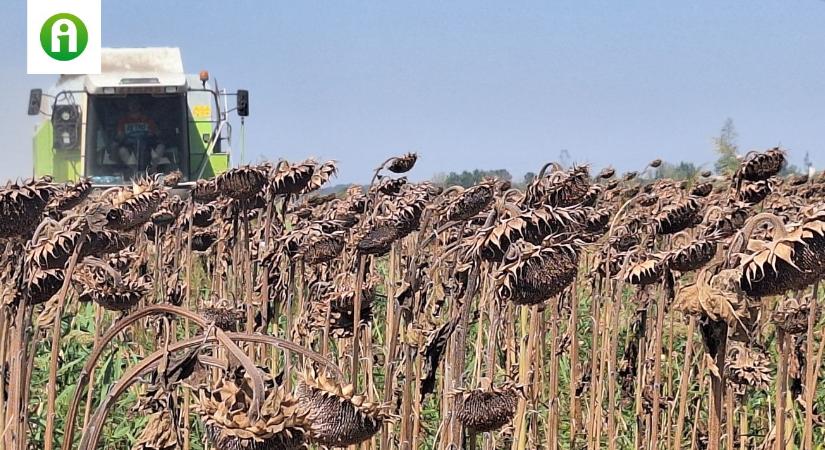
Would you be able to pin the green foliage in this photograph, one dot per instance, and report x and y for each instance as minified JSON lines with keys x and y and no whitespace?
{"x":529,"y":177}
{"x":123,"y":424}
{"x":681,"y":171}
{"x":467,"y":179}
{"x":726,"y":148}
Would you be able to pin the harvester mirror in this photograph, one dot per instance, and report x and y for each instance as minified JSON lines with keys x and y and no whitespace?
{"x":65,"y":127}
{"x":243,"y":102}
{"x":35,"y":96}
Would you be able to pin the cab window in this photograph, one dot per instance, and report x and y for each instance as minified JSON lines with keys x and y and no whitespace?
{"x":133,"y":135}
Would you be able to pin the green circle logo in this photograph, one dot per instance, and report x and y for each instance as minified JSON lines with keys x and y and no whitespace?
{"x":64,"y":37}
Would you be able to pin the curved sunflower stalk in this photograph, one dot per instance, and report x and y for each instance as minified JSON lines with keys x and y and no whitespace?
{"x":39,"y":285}
{"x":257,"y":407}
{"x":534,"y":193}
{"x":396,"y":164}
{"x":609,"y":265}
{"x":91,"y":433}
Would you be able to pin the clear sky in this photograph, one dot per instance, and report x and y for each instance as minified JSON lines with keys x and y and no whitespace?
{"x":473,"y":84}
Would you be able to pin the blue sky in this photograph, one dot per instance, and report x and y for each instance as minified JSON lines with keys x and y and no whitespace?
{"x":472,"y":84}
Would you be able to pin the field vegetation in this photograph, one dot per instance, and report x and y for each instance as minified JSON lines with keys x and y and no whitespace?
{"x":578,"y":309}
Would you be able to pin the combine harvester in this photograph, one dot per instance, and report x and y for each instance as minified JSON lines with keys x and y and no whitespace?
{"x":141,"y":115}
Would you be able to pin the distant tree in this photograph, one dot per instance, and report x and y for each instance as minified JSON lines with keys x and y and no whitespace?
{"x":726,"y":148}
{"x":502,"y":174}
{"x":564,"y":158}
{"x":682,"y":171}
{"x":467,"y":178}
{"x":529,"y":177}
{"x":790,"y":169}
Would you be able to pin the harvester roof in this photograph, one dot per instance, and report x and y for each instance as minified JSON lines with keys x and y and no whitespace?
{"x":130,"y":69}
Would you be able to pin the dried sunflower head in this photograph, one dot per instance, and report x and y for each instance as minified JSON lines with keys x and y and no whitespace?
{"x":241,"y":183}
{"x":747,"y":368}
{"x":335,"y":416}
{"x":103,"y":242}
{"x":597,"y":221}
{"x":774,"y":267}
{"x":337,"y":304}
{"x":391,"y":186}
{"x":205,"y":191}
{"x":706,"y":297}
{"x":378,"y":239}
{"x":321,"y":176}
{"x":693,"y":256}
{"x":202,"y":240}
{"x":53,"y":249}
{"x":404,"y":163}
{"x":224,"y":409}
{"x":730,"y":221}
{"x":22,"y":205}
{"x":172,"y":178}
{"x":534,"y":274}
{"x":132,"y":208}
{"x":491,"y":243}
{"x":223,"y":313}
{"x":702,"y":190}
{"x":607,"y":173}
{"x":470,"y":202}
{"x":289,"y":178}
{"x":761,"y":166}
{"x":488,"y":409}
{"x":160,"y":433}
{"x":678,"y":216}
{"x":107,"y":289}
{"x":791,"y":315}
{"x":71,"y":195}
{"x":549,"y":221}
{"x":754,"y":192}
{"x":313,"y":243}
{"x":203,"y":216}
{"x":42,"y":284}
{"x":647,"y":271}
{"x":560,"y":188}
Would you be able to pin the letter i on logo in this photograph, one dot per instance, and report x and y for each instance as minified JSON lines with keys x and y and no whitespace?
{"x":63,"y":31}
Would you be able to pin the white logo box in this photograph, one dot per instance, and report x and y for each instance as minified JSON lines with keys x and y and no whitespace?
{"x":38,"y":61}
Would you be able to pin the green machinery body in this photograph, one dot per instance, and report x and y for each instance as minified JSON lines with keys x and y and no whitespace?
{"x":80,"y":134}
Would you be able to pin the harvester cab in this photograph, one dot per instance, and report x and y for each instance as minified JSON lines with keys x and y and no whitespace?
{"x":142,"y":115}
